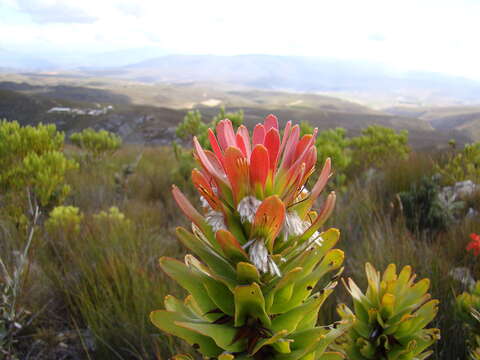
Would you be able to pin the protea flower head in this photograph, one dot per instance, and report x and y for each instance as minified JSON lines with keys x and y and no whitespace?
{"x":257,"y":187}
{"x":259,"y":253}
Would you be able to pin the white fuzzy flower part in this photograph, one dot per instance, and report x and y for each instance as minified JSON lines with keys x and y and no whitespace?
{"x":273,"y":268}
{"x":258,"y":254}
{"x":247,"y":208}
{"x":293,"y":225}
{"x":262,"y":260}
{"x":204,"y":203}
{"x":215,"y":220}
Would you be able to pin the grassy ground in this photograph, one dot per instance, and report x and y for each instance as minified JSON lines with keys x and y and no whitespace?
{"x":90,"y":289}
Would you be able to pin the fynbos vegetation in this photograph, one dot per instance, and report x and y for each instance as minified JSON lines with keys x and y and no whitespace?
{"x":80,"y":246}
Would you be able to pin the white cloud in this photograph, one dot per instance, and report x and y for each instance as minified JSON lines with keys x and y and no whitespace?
{"x":436,"y":35}
{"x":55,"y":11}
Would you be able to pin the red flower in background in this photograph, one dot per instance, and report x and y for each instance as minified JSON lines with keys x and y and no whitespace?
{"x":474,"y":244}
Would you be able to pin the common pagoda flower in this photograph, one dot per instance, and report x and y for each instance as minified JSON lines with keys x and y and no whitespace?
{"x":259,"y":252}
{"x":474,"y":244}
{"x":255,"y":187}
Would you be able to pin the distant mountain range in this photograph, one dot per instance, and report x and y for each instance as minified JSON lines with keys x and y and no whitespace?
{"x":152,"y":95}
{"x":368,"y":82}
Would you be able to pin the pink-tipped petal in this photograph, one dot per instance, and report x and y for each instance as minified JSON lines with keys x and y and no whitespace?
{"x":237,"y":170}
{"x":304,"y":144}
{"x":215,"y":147}
{"x":205,"y":161}
{"x":286,"y":135}
{"x":311,"y":159}
{"x":290,"y":147}
{"x":241,"y":145}
{"x":259,"y":166}
{"x":258,"y":134}
{"x":205,"y":189}
{"x":242,"y":132}
{"x":272,"y":143}
{"x":322,"y":179}
{"x":270,"y":121}
{"x":188,"y":208}
{"x":225,"y":134}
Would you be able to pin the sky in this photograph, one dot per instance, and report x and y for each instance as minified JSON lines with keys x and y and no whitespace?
{"x":432,"y":35}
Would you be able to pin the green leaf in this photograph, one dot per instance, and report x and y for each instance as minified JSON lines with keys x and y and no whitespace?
{"x":247,"y":273}
{"x":249,"y":302}
{"x":332,"y":260}
{"x":173,"y":304}
{"x":167,"y":321}
{"x":215,"y":262}
{"x":269,"y":341}
{"x":230,"y":246}
{"x":189,"y":281}
{"x":223,"y":335}
{"x":290,"y":320}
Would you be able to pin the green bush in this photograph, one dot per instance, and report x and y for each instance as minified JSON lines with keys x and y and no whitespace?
{"x":64,"y":218}
{"x":192,"y":125}
{"x":45,"y":176}
{"x":96,"y":143}
{"x":462,"y":166}
{"x":377,"y":145}
{"x":32,"y":164}
{"x":424,"y":210}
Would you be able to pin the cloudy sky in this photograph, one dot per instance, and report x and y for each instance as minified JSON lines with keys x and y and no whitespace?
{"x":434,"y":35}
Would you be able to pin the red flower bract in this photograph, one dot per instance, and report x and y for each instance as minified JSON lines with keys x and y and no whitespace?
{"x":253,"y":190}
{"x":474,"y":245}
{"x":262,"y":166}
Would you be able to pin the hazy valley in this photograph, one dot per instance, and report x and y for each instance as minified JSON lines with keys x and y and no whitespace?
{"x":149,"y":98}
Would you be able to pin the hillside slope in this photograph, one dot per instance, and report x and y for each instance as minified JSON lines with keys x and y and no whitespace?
{"x":462,"y":119}
{"x":308,"y":74}
{"x":139,"y":118}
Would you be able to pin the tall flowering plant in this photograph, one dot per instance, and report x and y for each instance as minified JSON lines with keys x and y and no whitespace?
{"x":261,"y":266}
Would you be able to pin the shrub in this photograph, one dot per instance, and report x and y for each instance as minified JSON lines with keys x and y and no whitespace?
{"x":45,"y":176}
{"x":464,"y":165}
{"x":96,"y":143}
{"x":64,"y":218}
{"x":377,"y":145}
{"x":424,"y":210}
{"x":33,"y":165}
{"x":192,"y":125}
